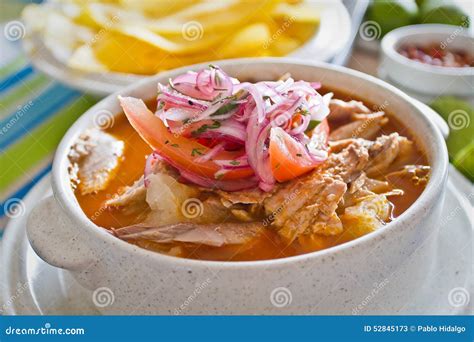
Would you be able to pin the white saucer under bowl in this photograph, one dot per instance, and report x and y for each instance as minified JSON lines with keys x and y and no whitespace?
{"x":32,"y":287}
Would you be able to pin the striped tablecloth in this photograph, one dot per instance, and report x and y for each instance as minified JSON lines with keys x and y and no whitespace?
{"x":35,"y":112}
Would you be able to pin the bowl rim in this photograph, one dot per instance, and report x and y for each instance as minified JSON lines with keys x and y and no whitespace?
{"x":391,"y":39}
{"x":64,"y":195}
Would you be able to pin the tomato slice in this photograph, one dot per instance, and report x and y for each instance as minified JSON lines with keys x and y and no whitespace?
{"x":176,"y":147}
{"x":289,"y":158}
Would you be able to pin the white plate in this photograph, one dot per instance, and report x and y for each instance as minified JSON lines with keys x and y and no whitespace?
{"x":33,"y":287}
{"x":332,"y":36}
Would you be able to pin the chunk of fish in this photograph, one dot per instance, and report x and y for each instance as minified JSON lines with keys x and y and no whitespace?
{"x":310,"y":204}
{"x":132,"y":198}
{"x":97,"y":156}
{"x":340,"y":110}
{"x":417,"y":174}
{"x":383,"y":152}
{"x":349,"y":163}
{"x":373,"y":185}
{"x":366,"y":126}
{"x":364,"y":186}
{"x":250,"y":196}
{"x":318,"y":214}
{"x":215,"y":235}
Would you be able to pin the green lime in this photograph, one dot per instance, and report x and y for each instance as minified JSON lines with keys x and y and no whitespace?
{"x":464,"y":161}
{"x":420,"y":3}
{"x":459,"y":115}
{"x":443,"y":12}
{"x":392,"y":14}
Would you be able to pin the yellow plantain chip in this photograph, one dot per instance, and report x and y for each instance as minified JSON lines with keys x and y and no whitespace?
{"x":283,"y":45}
{"x":214,"y":16}
{"x":250,"y":41}
{"x":304,"y":12}
{"x":154,"y":8}
{"x":84,"y":59}
{"x":148,"y":36}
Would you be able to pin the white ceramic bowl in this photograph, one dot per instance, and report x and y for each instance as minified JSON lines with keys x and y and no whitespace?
{"x":331,"y":37}
{"x":376,"y":273}
{"x":428,"y":80}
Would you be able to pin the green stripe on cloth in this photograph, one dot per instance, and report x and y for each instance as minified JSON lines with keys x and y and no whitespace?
{"x":25,"y":178}
{"x":41,"y":142}
{"x":12,"y":66}
{"x":20,"y":94}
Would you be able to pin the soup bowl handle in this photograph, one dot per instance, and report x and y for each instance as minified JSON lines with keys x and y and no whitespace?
{"x":51,"y":234}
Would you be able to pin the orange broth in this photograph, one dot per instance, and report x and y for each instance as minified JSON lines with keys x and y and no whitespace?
{"x":268,"y":245}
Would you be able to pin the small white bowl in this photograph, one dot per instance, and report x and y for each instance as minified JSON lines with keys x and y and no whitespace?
{"x":428,"y":80}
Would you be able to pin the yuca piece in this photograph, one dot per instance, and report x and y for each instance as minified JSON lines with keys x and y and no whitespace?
{"x":96,"y":157}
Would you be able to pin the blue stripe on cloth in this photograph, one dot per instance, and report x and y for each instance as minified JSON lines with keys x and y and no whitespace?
{"x":11,"y":80}
{"x":35,"y":112}
{"x":19,"y":194}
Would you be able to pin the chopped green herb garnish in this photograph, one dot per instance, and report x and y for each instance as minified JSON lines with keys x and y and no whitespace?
{"x":195,"y":152}
{"x":312,"y":124}
{"x":203,"y":128}
{"x":175,"y":145}
{"x":234,"y":162}
{"x":225,"y":109}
